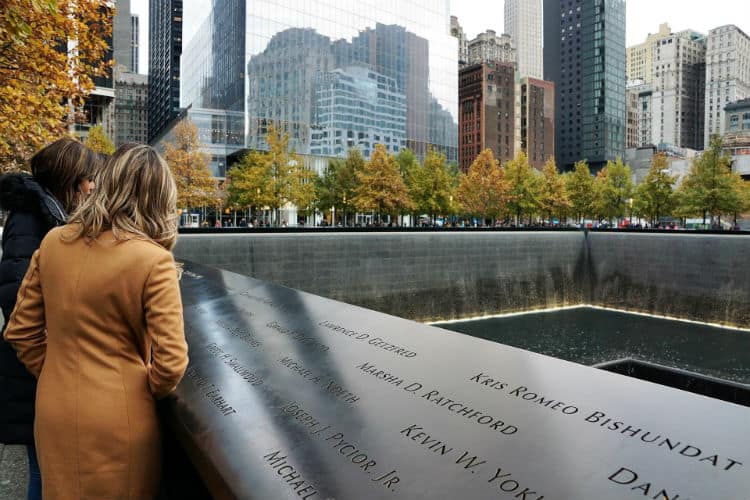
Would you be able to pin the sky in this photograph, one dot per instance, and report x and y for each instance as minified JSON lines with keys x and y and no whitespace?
{"x":476,"y":16}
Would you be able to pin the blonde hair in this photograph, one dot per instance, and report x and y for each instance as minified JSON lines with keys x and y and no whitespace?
{"x":135,"y":196}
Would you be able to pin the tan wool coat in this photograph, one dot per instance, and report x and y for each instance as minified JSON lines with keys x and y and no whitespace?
{"x":100,"y":325}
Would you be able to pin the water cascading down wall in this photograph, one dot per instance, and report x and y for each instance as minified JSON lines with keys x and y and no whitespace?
{"x":450,"y":275}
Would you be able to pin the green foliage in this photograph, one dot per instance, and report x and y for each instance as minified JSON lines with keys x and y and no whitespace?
{"x":483,"y":191}
{"x":525,"y":187}
{"x":250,"y":182}
{"x":98,"y":141}
{"x":711,"y":189}
{"x":327,"y":193}
{"x":553,"y":193}
{"x":274,"y":178}
{"x":336,"y":188}
{"x":580,"y":187}
{"x":380,"y":185}
{"x":613,"y":188}
{"x":431,"y":186}
{"x":407,"y":164}
{"x":655,"y":197}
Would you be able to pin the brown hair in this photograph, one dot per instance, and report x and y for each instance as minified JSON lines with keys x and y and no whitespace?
{"x":135,"y":196}
{"x":61,"y":166}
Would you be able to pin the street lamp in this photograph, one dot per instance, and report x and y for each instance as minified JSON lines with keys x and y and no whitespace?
{"x":257,"y":205}
{"x":630,"y":204}
{"x":450,"y":198}
{"x":344,"y":209}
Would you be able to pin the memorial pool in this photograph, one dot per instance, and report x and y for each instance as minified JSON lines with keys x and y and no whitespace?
{"x":590,"y":336}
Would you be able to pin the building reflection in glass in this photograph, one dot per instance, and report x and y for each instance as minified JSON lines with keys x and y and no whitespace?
{"x":331,"y":73}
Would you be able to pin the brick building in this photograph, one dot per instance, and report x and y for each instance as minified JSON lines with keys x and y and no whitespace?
{"x":486,"y":111}
{"x":537,"y":113}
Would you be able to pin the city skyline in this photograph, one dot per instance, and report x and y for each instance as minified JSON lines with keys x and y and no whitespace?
{"x":476,"y":16}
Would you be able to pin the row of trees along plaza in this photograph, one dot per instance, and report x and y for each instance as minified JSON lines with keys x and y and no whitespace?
{"x":44,"y":81}
{"x":390,"y":186}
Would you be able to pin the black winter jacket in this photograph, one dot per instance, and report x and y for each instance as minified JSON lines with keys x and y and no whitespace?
{"x":31,"y":211}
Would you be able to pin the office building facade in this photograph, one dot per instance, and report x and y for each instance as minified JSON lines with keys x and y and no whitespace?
{"x":645,"y":122}
{"x":584,"y":55}
{"x":131,"y":108}
{"x":487,"y":47}
{"x":135,"y":32}
{"x":537,"y":117}
{"x":727,"y":75}
{"x":738,"y":117}
{"x":678,"y":87}
{"x":165,"y":47}
{"x":737,"y":136}
{"x":99,"y":106}
{"x":487,"y":108}
{"x":325,"y":68}
{"x":672,"y":66}
{"x":523,"y":22}
{"x":632,"y":138}
{"x":640,"y":57}
{"x":122,"y":35}
{"x":463,"y":50}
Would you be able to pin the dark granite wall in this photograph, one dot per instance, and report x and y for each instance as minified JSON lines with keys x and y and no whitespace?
{"x":433,"y":276}
{"x":694,"y":276}
{"x":421,"y":276}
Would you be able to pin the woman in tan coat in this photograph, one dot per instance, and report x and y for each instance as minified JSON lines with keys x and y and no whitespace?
{"x":99,"y":322}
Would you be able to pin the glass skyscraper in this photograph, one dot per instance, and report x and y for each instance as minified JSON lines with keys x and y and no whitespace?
{"x":584,"y":54}
{"x":165,"y":46}
{"x":333,"y":74}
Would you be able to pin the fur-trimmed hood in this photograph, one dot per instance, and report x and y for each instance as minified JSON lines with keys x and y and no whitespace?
{"x":21,"y":192}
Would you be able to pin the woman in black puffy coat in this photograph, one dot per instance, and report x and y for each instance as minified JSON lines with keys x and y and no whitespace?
{"x":62,"y":175}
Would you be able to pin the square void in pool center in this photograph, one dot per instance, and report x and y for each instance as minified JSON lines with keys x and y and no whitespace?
{"x":591,"y":336}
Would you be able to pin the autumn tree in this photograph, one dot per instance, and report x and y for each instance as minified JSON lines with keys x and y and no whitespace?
{"x":327,"y":194}
{"x":98,"y":141}
{"x":711,"y":189}
{"x":613,"y":189}
{"x":50,"y":51}
{"x":407,"y":163}
{"x":347,"y":180}
{"x":380,"y":185}
{"x":431,"y":186}
{"x":293,"y":183}
{"x":655,"y":197}
{"x":483,"y":191}
{"x":553,"y":194}
{"x":525,"y":187}
{"x":249,"y":181}
{"x":335,"y":188}
{"x":196,"y":187}
{"x":580,"y":187}
{"x":743,"y":194}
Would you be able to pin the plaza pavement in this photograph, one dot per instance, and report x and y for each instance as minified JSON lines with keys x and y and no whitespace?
{"x":13,"y":472}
